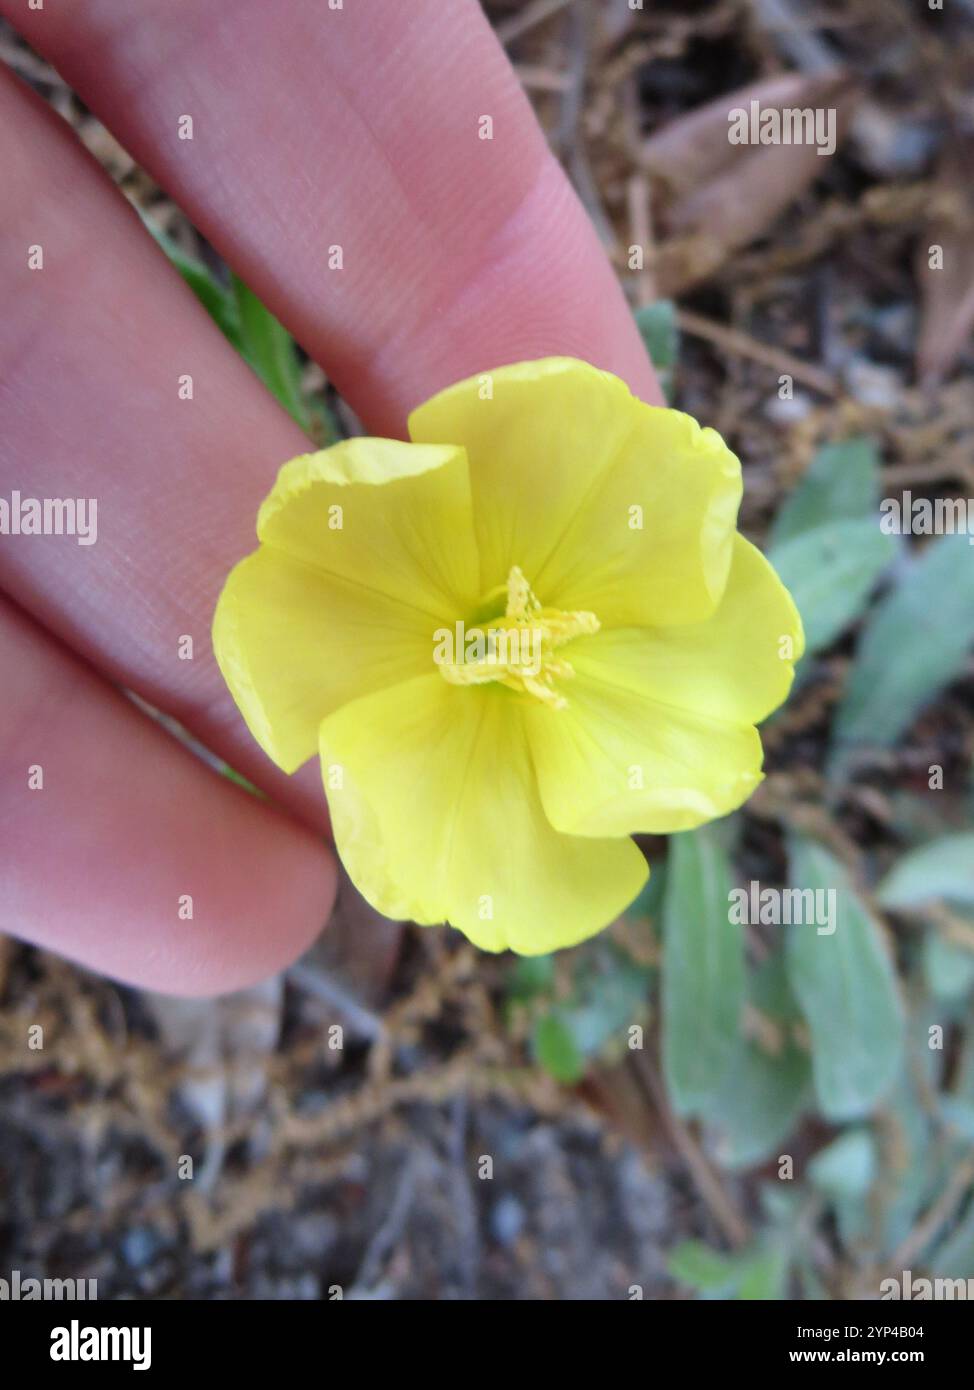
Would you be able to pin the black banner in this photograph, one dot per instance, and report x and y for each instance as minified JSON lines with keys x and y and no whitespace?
{"x":172,"y":1337}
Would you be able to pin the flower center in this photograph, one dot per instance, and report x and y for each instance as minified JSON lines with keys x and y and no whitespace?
{"x":518,"y":648}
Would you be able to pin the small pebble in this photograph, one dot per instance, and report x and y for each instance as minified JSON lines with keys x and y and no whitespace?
{"x":506,"y":1219}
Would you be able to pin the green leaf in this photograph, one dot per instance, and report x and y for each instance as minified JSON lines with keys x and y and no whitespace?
{"x":915,"y":642}
{"x":840,"y":484}
{"x":270,"y":350}
{"x":959,"y":1115}
{"x":556,"y":1049}
{"x":606,"y":1002}
{"x":912,"y":1165}
{"x":234,"y":776}
{"x":764,"y":1093}
{"x":765,"y":1275}
{"x":608,"y":995}
{"x":217,"y":299}
{"x":531,"y":976}
{"x":657,"y":324}
{"x":847,"y":1167}
{"x":947,"y":969}
{"x":944,"y":868}
{"x":846,"y":988}
{"x":649,"y":902}
{"x":750,"y":1274}
{"x":761,"y":1104}
{"x":699,"y":1267}
{"x":831,"y":571}
{"x":954,"y":1254}
{"x":702,"y":972}
{"x":954,"y":1257}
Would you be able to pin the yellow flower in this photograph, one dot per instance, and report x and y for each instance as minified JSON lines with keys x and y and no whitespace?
{"x":525,"y":636}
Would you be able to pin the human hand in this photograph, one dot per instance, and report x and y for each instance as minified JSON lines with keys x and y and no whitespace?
{"x":312,"y":127}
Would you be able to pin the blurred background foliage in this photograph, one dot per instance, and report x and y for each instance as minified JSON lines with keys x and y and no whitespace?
{"x":799,"y":1107}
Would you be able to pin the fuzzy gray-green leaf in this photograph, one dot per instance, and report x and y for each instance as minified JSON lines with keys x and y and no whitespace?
{"x":846,"y":988}
{"x":703,"y":971}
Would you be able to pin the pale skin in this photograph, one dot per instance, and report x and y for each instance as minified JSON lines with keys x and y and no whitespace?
{"x":311,"y":127}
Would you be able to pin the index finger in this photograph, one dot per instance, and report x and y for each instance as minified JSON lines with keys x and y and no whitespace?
{"x":373,"y":171}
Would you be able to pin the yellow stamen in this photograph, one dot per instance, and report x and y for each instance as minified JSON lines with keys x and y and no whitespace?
{"x":517,"y":650}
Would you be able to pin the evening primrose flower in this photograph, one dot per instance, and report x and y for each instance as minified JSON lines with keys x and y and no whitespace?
{"x":515,"y":641}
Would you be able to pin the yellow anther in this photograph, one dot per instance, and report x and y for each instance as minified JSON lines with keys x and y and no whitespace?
{"x":517,"y":650}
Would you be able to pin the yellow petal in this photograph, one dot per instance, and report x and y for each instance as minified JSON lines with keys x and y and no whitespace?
{"x":617,"y":761}
{"x":436,"y":816}
{"x":367,"y":549}
{"x":605,"y":503}
{"x":738,"y":664}
{"x":394,"y":518}
{"x":294,"y":644}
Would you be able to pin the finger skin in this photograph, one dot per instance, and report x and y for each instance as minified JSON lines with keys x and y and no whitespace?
{"x":97,"y":862}
{"x":359,"y":128}
{"x":92,"y":349}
